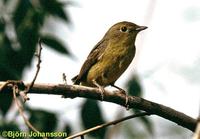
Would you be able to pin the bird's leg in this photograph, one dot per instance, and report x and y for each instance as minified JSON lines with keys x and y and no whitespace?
{"x":124,"y":93}
{"x":101,"y":88}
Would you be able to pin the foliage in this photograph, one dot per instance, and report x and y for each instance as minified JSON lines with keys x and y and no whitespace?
{"x":91,"y":116}
{"x":20,"y":30}
{"x":135,"y":89}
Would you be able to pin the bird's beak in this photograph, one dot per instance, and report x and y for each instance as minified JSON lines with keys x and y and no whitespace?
{"x":140,"y":28}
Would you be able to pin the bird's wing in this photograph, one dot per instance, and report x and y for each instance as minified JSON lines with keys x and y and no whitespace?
{"x":93,"y":57}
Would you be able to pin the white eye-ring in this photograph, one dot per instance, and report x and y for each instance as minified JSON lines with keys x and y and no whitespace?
{"x":123,"y":29}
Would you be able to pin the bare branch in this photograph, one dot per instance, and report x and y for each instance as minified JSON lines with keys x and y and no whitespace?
{"x":38,"y":55}
{"x":15,"y":88}
{"x":107,"y":124}
{"x":73,"y":91}
{"x":20,"y":109}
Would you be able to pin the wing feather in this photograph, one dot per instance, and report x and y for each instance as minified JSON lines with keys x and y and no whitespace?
{"x":92,"y":58}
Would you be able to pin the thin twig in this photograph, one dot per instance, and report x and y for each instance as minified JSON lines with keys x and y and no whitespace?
{"x":3,"y":86}
{"x":20,"y":86}
{"x":15,"y":88}
{"x":64,"y":78}
{"x":10,"y":83}
{"x":107,"y":124}
{"x":21,"y":112}
{"x":23,"y":94}
{"x":38,"y":55}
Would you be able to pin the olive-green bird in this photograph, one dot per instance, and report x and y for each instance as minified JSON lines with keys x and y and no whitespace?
{"x":110,"y":57}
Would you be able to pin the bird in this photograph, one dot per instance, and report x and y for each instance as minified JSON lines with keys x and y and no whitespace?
{"x":110,"y":57}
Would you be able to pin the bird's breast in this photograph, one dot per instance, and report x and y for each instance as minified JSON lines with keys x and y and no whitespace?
{"x":111,"y":65}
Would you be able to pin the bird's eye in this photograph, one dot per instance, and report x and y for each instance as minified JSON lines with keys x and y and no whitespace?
{"x":123,"y":29}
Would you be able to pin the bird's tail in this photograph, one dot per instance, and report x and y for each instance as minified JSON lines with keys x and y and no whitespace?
{"x":75,"y":80}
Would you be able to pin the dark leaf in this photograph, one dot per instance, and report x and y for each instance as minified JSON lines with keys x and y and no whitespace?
{"x":135,"y":89}
{"x":21,"y":11}
{"x":134,"y":86}
{"x":5,"y":1}
{"x":2,"y":25}
{"x":41,"y":16}
{"x":146,"y":121}
{"x":11,"y":126}
{"x":7,"y":73}
{"x":40,"y":119}
{"x":7,"y":65}
{"x":148,"y":124}
{"x":55,"y":44}
{"x":28,"y":34}
{"x":55,"y":8}
{"x":5,"y":102}
{"x":134,"y":132}
{"x":91,"y":116}
{"x":68,"y":129}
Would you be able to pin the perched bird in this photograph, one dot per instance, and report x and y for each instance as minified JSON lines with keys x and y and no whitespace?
{"x":110,"y":57}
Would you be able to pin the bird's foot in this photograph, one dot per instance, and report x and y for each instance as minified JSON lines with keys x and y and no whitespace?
{"x":126,"y":98}
{"x":101,"y":89}
{"x":122,"y":91}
